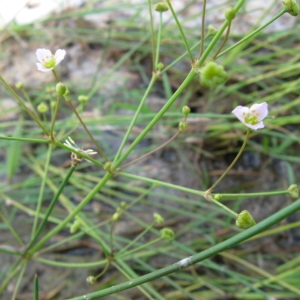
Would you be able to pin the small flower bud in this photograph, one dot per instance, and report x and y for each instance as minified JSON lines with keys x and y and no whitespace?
{"x":244,"y":220}
{"x":182,"y":126}
{"x":167,"y":234}
{"x":107,"y":166}
{"x":230,"y":14}
{"x":123,"y":204}
{"x":212,"y":74}
{"x":83,"y":99}
{"x":212,"y":30}
{"x":160,"y":66}
{"x":19,"y":85}
{"x":161,"y":7}
{"x":218,"y":197}
{"x":186,"y":110}
{"x":91,"y":280}
{"x":119,"y":210}
{"x":75,"y":227}
{"x":293,"y":190}
{"x":67,"y":95}
{"x":291,"y":7}
{"x":60,"y":89}
{"x":158,"y":218}
{"x":116,"y":217}
{"x":42,"y":108}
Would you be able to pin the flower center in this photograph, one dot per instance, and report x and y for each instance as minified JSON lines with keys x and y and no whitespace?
{"x":49,"y":62}
{"x":252,"y":118}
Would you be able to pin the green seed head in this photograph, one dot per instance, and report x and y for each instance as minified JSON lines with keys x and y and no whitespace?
{"x":161,"y":7}
{"x":244,"y":220}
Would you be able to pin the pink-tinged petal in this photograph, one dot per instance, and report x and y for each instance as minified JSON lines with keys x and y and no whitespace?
{"x":40,"y":67}
{"x":261,"y":109}
{"x":43,"y":54}
{"x":59,"y":55}
{"x":256,"y":126}
{"x":240,"y":112}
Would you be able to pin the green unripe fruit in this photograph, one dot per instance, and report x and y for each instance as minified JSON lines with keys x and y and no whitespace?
{"x":83,"y":99}
{"x":60,"y":89}
{"x":291,"y":7}
{"x":42,"y":108}
{"x":160,"y":66}
{"x":230,"y":14}
{"x":182,"y":126}
{"x":19,"y":85}
{"x":158,"y":218}
{"x":186,"y":110}
{"x":244,"y":220}
{"x":293,"y":191}
{"x":67,"y":95}
{"x":167,"y":234}
{"x":161,"y":7}
{"x":212,"y":74}
{"x":91,"y":280}
{"x":212,"y":30}
{"x":218,"y":197}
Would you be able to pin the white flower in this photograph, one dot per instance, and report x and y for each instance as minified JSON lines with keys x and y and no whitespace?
{"x":252,"y":117}
{"x":48,"y":61}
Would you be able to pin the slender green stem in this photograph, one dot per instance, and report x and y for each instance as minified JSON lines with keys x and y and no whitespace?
{"x":11,"y":229}
{"x":224,"y":207}
{"x":10,"y":252}
{"x":224,"y":41}
{"x":154,"y":150}
{"x":54,"y":118}
{"x":29,"y":140}
{"x":209,"y":191}
{"x":42,"y":189}
{"x":55,"y":75}
{"x":202,"y":28}
{"x":133,"y":121}
{"x":101,"y":152}
{"x":217,"y":36}
{"x":158,"y":41}
{"x":251,"y":195}
{"x":11,"y":274}
{"x":139,"y":248}
{"x":26,"y":96}
{"x":135,"y":239}
{"x":32,"y":115}
{"x":188,"y":49}
{"x":162,"y":183}
{"x":191,"y":260}
{"x":179,"y":58}
{"x":36,"y":287}
{"x":51,"y":206}
{"x":71,"y":216}
{"x":253,"y":33}
{"x":152,"y":33}
{"x":17,"y":286}
{"x":157,"y":117}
